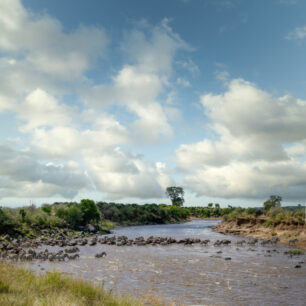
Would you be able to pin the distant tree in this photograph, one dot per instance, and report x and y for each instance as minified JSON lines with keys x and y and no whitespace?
{"x":23,"y":214}
{"x":74,"y":216}
{"x":210,"y":205}
{"x":90,"y":211}
{"x":47,"y":209}
{"x":273,"y":201}
{"x":176,"y":194}
{"x":217,"y":205}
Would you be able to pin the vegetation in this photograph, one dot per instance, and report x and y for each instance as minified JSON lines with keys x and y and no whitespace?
{"x":176,"y":194}
{"x":272,"y":213}
{"x":297,"y":252}
{"x":273,"y":201}
{"x":76,"y":216}
{"x":30,"y":220}
{"x":22,"y":287}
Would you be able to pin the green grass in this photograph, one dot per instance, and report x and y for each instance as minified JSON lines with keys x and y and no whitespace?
{"x":22,"y":287}
{"x":297,"y":252}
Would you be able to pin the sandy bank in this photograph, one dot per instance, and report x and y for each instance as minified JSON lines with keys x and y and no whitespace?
{"x":254,"y":227}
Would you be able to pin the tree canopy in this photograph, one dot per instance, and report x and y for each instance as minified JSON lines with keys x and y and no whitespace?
{"x":273,"y":201}
{"x":176,"y":194}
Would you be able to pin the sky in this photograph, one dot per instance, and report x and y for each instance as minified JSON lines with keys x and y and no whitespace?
{"x":117,"y":100}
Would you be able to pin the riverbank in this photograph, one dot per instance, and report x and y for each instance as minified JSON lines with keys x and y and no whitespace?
{"x":289,"y":234}
{"x":19,"y":286}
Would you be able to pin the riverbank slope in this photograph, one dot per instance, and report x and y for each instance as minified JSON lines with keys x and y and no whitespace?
{"x":289,"y":234}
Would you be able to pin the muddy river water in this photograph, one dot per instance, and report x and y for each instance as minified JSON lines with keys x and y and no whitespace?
{"x":192,"y":274}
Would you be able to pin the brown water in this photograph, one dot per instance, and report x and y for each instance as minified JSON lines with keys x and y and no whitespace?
{"x":188,"y":274}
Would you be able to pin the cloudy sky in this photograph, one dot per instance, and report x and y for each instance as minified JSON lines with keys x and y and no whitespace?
{"x":116,"y":100}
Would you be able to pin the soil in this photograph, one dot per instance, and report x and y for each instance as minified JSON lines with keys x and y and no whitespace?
{"x":254,"y":227}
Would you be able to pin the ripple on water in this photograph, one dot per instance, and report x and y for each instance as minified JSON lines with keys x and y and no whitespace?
{"x":188,"y":273}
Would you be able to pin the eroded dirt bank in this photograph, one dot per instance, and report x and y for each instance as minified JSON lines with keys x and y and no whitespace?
{"x":290,"y":235}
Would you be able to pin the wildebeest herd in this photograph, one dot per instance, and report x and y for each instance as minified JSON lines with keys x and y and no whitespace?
{"x":24,"y":249}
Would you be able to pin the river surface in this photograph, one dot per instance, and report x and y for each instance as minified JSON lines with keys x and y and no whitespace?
{"x":192,"y":275}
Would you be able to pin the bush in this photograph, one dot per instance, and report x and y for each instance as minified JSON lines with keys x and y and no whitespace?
{"x":268,"y":223}
{"x":74,"y":216}
{"x":90,"y":211}
{"x":297,"y":252}
{"x":47,"y":209}
{"x":6,"y":221}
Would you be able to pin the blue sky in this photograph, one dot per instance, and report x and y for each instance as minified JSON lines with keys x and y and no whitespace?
{"x":116,"y":100}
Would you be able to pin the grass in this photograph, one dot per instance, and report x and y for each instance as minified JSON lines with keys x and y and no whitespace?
{"x":297,"y":252}
{"x":22,"y":287}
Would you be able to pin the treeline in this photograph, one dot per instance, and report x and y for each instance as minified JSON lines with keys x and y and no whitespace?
{"x":272,"y":213}
{"x":101,"y":215}
{"x":26,"y":220}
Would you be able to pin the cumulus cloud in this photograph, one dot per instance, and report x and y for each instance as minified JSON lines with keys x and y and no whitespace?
{"x":40,"y":40}
{"x":64,"y":149}
{"x":121,"y":174}
{"x":21,"y":167}
{"x":254,"y":151}
{"x":138,"y":85}
{"x":37,"y":53}
{"x":42,"y":109}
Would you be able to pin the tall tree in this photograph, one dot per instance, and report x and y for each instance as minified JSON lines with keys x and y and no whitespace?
{"x":176,"y":194}
{"x":274,"y":201}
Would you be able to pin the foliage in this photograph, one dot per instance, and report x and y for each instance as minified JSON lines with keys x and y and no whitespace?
{"x":72,"y":215}
{"x":297,"y":252}
{"x":21,"y":287}
{"x":47,"y":209}
{"x":23,"y":214}
{"x":6,"y":222}
{"x":176,"y":194}
{"x":90,"y":211}
{"x":274,"y":201}
{"x":30,"y":219}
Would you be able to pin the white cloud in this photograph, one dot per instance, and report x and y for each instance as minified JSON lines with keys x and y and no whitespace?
{"x":153,"y":52}
{"x":254,"y":152}
{"x":138,"y":86}
{"x":22,"y":168}
{"x":297,"y":33}
{"x":37,"y":53}
{"x":64,"y":150}
{"x":121,"y":174}
{"x":41,"y":109}
{"x":40,"y":40}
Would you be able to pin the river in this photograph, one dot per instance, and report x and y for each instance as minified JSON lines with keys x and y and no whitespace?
{"x":192,"y":275}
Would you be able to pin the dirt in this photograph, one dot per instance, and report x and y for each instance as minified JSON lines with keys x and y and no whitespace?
{"x":254,"y":227}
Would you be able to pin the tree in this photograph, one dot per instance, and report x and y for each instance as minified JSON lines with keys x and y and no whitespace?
{"x":90,"y":211}
{"x":210,"y":205}
{"x":176,"y":194}
{"x":274,"y":201}
{"x":217,"y":205}
{"x":23,"y":214}
{"x":47,"y":209}
{"x":74,"y":216}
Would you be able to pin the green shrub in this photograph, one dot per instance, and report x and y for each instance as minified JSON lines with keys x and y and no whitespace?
{"x":74,"y":216}
{"x":297,"y":252}
{"x":47,"y":209}
{"x":268,"y":223}
{"x":90,"y":211}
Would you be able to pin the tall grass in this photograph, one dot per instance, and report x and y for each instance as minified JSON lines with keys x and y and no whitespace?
{"x":22,"y":287}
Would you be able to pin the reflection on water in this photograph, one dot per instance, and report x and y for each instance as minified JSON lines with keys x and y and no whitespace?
{"x":192,"y":274}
